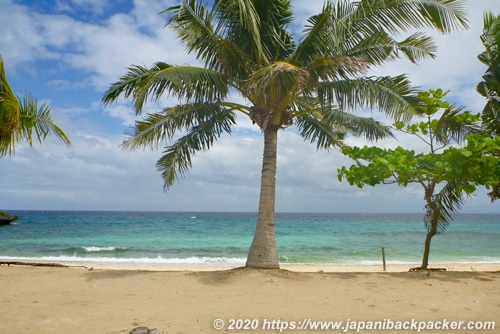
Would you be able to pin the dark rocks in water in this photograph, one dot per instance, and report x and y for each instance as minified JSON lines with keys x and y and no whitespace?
{"x":7,"y":218}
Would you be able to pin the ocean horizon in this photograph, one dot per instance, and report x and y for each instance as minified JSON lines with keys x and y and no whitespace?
{"x":223,"y":238}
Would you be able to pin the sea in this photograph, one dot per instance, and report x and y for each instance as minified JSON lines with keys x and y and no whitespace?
{"x":222,"y":239}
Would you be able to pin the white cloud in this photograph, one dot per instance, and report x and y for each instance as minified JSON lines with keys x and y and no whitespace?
{"x":20,"y":41}
{"x":73,"y":6}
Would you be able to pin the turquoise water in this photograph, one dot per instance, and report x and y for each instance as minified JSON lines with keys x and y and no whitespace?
{"x":214,"y":238}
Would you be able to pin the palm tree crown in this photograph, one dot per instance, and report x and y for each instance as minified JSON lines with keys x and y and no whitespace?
{"x":313,"y":81}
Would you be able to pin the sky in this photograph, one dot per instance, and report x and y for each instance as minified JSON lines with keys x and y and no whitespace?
{"x":68,"y":52}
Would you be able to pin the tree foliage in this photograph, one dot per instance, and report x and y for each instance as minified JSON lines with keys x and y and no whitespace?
{"x":475,"y":164}
{"x":448,"y":172}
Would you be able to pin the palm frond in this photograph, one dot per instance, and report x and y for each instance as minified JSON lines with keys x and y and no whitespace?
{"x":188,"y":83}
{"x":177,"y":158}
{"x":418,"y":46}
{"x":327,"y":69}
{"x":205,"y":31}
{"x":451,"y":126}
{"x":449,"y":200}
{"x":392,"y":95}
{"x":375,"y":49}
{"x":151,"y":131}
{"x":126,"y":85}
{"x":310,"y":39}
{"x":490,"y":117}
{"x":358,"y":126}
{"x":490,"y":86}
{"x":324,"y":34}
{"x":38,"y":118}
{"x":313,"y":128}
{"x":276,"y":38}
{"x":380,"y":47}
{"x":193,"y":23}
{"x":258,"y":29}
{"x":490,"y":38}
{"x":34,"y":120}
{"x":402,"y":15}
{"x":160,"y":127}
{"x":328,"y":127}
{"x":9,"y":112}
{"x":344,"y":28}
{"x":237,"y":17}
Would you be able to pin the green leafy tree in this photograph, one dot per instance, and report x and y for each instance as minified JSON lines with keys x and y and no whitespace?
{"x":314,"y":82}
{"x":20,"y":117}
{"x":447,"y":173}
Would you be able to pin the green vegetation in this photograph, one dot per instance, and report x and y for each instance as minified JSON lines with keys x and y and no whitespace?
{"x":446,"y":173}
{"x":314,"y":82}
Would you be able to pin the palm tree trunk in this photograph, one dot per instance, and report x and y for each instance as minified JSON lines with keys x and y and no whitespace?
{"x":263,"y":252}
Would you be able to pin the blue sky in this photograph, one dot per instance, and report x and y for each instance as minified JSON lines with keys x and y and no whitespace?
{"x":68,"y":52}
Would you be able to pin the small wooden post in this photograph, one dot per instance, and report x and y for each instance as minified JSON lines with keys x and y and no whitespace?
{"x":383,"y":257}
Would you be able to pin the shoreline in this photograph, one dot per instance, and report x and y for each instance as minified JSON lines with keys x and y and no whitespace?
{"x":295,"y":267}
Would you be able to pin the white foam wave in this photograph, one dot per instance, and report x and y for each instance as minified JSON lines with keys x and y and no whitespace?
{"x":140,"y":261}
{"x":100,"y":249}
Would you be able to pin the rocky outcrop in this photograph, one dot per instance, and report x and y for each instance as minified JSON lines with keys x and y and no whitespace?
{"x":7,"y":218}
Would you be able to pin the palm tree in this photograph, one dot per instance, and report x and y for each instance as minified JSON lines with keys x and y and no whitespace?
{"x":490,"y":86}
{"x":313,"y":82}
{"x":20,"y":116}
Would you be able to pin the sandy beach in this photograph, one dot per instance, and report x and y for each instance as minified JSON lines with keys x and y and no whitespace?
{"x":78,"y":300}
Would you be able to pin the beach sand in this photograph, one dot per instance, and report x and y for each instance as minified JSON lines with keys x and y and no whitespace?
{"x":79,"y":301}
